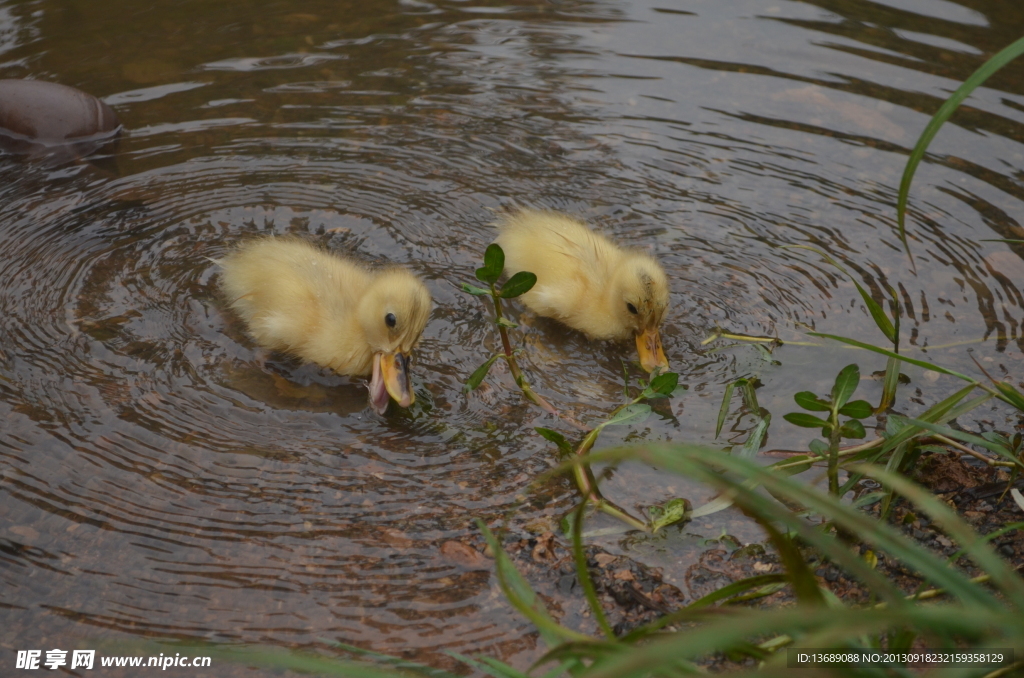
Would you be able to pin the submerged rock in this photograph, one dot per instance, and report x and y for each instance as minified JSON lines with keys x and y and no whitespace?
{"x":57,"y":122}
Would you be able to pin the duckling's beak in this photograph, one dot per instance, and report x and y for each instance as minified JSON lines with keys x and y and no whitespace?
{"x":648,"y":345}
{"x":394,"y":368}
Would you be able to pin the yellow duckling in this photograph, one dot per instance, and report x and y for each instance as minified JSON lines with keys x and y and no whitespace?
{"x":586,"y":281}
{"x":331,"y":311}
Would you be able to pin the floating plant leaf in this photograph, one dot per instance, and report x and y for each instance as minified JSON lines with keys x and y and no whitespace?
{"x":555,"y":437}
{"x":669,"y":513}
{"x":635,"y":413}
{"x":478,"y":375}
{"x":664,"y":384}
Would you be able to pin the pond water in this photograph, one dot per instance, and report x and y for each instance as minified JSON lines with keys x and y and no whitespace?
{"x":158,"y":478}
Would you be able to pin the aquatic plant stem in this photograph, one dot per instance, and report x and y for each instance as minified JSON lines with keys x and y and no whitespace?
{"x":966,"y":450}
{"x":513,"y":366}
{"x":833,"y":452}
{"x":587,"y":485}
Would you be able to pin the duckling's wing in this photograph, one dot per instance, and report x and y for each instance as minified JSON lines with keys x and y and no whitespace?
{"x":572,"y":263}
{"x":285,"y":289}
{"x":554,"y":246}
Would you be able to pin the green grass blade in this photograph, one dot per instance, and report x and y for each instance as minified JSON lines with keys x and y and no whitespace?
{"x":877,"y":314}
{"x":890,"y":383}
{"x":1000,"y":59}
{"x":891,"y":354}
{"x":396,"y":662}
{"x":523,"y":597}
{"x":976,"y":546}
{"x":583,"y":572}
{"x":724,"y":409}
{"x":805,"y":586}
{"x":756,"y":437}
{"x":1005,"y":529}
{"x":486,"y":668}
{"x":705,"y":464}
{"x":967,"y":438}
{"x":939,"y":413}
{"x":724,"y":634}
{"x":287,"y":660}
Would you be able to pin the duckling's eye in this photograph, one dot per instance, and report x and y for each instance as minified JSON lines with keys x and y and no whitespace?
{"x":390,"y":320}
{"x":631,"y":308}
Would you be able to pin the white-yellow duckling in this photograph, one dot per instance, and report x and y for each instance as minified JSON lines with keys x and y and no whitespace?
{"x":586,"y":281}
{"x":332,"y":311}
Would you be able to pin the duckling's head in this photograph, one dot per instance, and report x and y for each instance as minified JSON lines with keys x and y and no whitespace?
{"x":392,"y":314}
{"x":639,"y":299}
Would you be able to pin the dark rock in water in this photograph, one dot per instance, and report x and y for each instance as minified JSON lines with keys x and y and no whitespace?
{"x":44,"y":119}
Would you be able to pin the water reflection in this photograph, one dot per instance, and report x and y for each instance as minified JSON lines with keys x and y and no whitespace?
{"x":158,"y":477}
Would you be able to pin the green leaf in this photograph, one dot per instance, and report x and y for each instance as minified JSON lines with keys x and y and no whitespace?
{"x":968,"y":438}
{"x":748,"y":388}
{"x":728,"y":591}
{"x":505,"y":322}
{"x":809,"y":401}
{"x":946,"y":410}
{"x":488,"y":666}
{"x":858,"y":409}
{"x":847,"y":382}
{"x":819,"y":447}
{"x":557,"y":438}
{"x":1005,"y":56}
{"x":723,"y":411}
{"x":756,"y":437}
{"x":881,"y":320}
{"x":665,"y":383}
{"x":631,"y":414}
{"x":669,"y":513}
{"x":877,"y":314}
{"x":889,"y":384}
{"x":804,"y":420}
{"x":520,"y":283}
{"x":473,"y":289}
{"x":523,"y":597}
{"x":478,"y":375}
{"x":1010,"y":394}
{"x":494,"y":264}
{"x":583,"y":572}
{"x":805,"y":586}
{"x":852,"y":429}
{"x":1003,"y":575}
{"x":997,"y":438}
